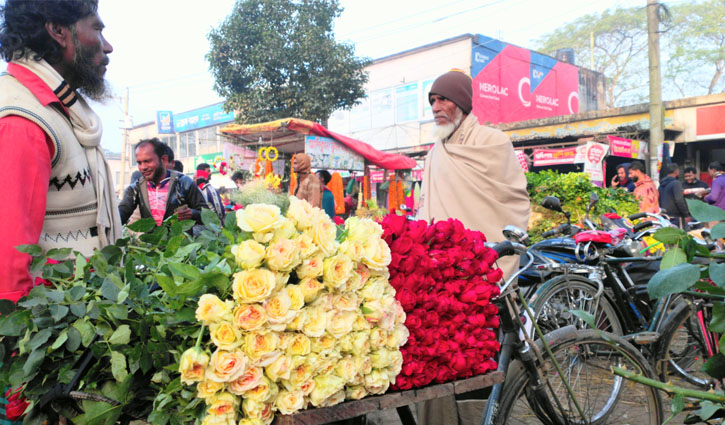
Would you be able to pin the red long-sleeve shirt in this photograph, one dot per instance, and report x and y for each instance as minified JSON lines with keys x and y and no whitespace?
{"x":25,"y":155}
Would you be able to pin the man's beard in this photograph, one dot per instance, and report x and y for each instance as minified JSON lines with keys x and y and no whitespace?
{"x":635,"y":179}
{"x":86,"y":77}
{"x":444,"y":131}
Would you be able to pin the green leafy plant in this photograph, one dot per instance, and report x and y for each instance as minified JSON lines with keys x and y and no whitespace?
{"x":130,"y":309}
{"x":573,"y":190}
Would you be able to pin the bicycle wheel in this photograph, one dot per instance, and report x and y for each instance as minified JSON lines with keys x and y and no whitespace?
{"x":586,"y":358}
{"x":683,"y":347}
{"x":553,"y":302}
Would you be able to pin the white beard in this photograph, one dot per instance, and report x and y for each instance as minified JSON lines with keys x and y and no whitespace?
{"x":442,"y":132}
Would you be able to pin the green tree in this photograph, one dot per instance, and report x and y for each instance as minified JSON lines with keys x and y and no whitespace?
{"x":695,"y":49}
{"x":274,"y":59}
{"x":619,"y":51}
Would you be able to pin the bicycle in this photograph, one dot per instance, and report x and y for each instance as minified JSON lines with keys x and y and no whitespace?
{"x":574,"y":384}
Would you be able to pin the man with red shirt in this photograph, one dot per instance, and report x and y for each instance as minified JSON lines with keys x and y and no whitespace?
{"x":58,"y":190}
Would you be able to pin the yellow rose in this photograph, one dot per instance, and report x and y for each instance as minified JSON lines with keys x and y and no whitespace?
{"x":258,"y":344}
{"x":323,"y":345}
{"x":353,"y":249}
{"x":211,"y":309}
{"x":377,"y":381}
{"x":251,"y":378}
{"x":249,"y":254}
{"x":281,"y":279}
{"x":325,"y":387}
{"x":361,"y":343}
{"x":310,"y":288}
{"x":347,"y":368}
{"x":310,"y":267}
{"x":207,"y":388}
{"x":396,"y":364}
{"x":249,"y":317}
{"x":279,"y":369}
{"x":334,"y":399}
{"x":323,"y":233}
{"x":256,"y":409}
{"x":229,"y":419}
{"x":192,"y":365}
{"x":251,"y":286}
{"x":306,"y":246}
{"x":361,"y":323}
{"x":392,"y":309}
{"x":299,"y":345}
{"x":259,"y":218}
{"x":317,"y":319}
{"x":226,"y":366}
{"x":278,"y":309}
{"x":297,"y":298}
{"x":282,"y":255}
{"x":341,"y":323}
{"x":300,"y":212}
{"x":289,"y":402}
{"x":286,"y":231}
{"x":398,"y":337}
{"x":299,"y":375}
{"x":225,"y":335}
{"x":372,"y":310}
{"x":336,"y":271}
{"x":381,"y":358}
{"x":366,"y":365}
{"x":261,"y":392}
{"x":223,"y":404}
{"x":377,"y":254}
{"x":378,"y":338}
{"x":251,"y":421}
{"x":374,"y":288}
{"x":362,"y":229}
{"x":299,"y":321}
{"x":356,"y":392}
{"x":347,"y":301}
{"x":307,"y":387}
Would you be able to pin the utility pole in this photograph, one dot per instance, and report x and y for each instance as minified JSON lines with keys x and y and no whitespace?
{"x":126,"y":123}
{"x":656,"y":110}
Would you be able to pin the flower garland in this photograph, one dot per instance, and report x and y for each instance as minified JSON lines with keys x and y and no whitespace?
{"x":310,"y":319}
{"x":444,"y":278}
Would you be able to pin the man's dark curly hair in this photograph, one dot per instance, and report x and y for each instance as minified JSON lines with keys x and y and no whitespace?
{"x":22,"y":25}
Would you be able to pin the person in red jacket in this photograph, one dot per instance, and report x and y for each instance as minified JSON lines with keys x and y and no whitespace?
{"x":58,"y":190}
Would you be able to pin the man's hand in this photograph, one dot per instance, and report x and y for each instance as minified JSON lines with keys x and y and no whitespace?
{"x":183,"y":213}
{"x":615,"y":181}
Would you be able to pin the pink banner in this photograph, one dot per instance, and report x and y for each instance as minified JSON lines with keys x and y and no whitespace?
{"x":511,"y":83}
{"x":523,"y":161}
{"x":544,"y":157}
{"x":627,"y":148}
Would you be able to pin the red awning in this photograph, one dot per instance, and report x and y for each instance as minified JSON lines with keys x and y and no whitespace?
{"x":385,"y":160}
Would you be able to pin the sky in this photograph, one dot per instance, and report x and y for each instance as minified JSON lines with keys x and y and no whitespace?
{"x":159,"y":45}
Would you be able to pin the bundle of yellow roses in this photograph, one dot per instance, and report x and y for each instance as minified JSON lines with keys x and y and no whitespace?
{"x":313,"y":319}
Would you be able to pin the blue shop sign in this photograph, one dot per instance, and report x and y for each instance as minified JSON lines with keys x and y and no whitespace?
{"x":202,"y":117}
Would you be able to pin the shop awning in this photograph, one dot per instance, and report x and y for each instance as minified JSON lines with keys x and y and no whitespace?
{"x":285,"y":127}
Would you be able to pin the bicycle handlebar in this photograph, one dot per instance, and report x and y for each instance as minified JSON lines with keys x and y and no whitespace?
{"x":637,"y":216}
{"x":643,"y":225}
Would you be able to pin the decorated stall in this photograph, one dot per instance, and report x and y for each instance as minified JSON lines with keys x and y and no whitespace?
{"x":344,"y":157}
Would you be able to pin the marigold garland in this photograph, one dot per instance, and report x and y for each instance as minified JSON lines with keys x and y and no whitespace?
{"x":338,"y":192}
{"x":292,"y":177}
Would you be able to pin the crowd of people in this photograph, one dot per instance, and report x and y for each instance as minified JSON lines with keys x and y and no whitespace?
{"x":669,"y":198}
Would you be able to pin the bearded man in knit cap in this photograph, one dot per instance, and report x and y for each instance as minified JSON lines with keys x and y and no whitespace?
{"x":471,"y":174}
{"x":60,"y":190}
{"x":309,"y":186}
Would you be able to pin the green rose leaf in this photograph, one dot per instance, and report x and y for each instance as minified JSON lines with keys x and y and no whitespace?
{"x":230,"y":221}
{"x":673,"y":280}
{"x":33,"y":362}
{"x":56,"y":295}
{"x":718,"y":231}
{"x":717,"y":274}
{"x":78,"y":309}
{"x":122,"y":335}
{"x":186,"y":271}
{"x":586,"y":316}
{"x":74,"y":339}
{"x":705,"y":212}
{"x":76,"y":293}
{"x":80,"y":266}
{"x":109,"y":289}
{"x":167,"y":284}
{"x":678,"y":403}
{"x":210,"y":219}
{"x":707,"y":409}
{"x":39,"y":339}
{"x":32,"y":250}
{"x":86,"y":330}
{"x":669,"y":235}
{"x":6,"y":307}
{"x":118,"y":366}
{"x":62,"y":338}
{"x":673,"y":257}
{"x":717,"y":323}
{"x":715,"y":366}
{"x":59,"y":254}
{"x":58,"y":312}
{"x":14,"y":324}
{"x":143,"y":225}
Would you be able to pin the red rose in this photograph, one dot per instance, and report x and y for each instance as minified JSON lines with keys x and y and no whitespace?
{"x":402,"y":245}
{"x":490,"y":256}
{"x":407,"y":299}
{"x":494,"y":275}
{"x":417,"y":230}
{"x":394,"y":224}
{"x":16,"y":406}
{"x":339,"y":220}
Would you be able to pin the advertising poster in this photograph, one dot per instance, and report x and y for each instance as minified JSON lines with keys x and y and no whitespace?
{"x":627,"y":148}
{"x":406,"y":103}
{"x":329,"y":154}
{"x":594,"y":154}
{"x":544,"y":157}
{"x":523,"y":161}
{"x":511,"y":83}
{"x":165,"y":122}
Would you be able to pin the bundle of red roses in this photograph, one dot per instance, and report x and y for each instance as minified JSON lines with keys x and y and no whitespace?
{"x":445,"y":277}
